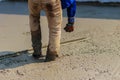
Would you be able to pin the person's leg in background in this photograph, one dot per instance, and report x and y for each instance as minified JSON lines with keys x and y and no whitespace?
{"x":71,"y":11}
{"x":35,"y":29}
{"x":54,"y":15}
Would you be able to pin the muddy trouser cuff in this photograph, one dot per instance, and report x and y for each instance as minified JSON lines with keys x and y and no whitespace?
{"x":36,"y":41}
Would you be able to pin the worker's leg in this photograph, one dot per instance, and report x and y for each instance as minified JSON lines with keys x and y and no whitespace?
{"x":54,"y":15}
{"x":34,"y":9}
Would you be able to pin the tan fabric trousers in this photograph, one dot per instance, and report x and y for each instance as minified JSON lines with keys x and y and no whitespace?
{"x":53,"y":12}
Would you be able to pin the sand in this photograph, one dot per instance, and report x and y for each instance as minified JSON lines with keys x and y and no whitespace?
{"x":94,"y":53}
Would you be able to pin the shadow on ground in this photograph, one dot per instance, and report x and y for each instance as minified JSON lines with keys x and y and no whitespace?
{"x":16,"y":60}
{"x":83,"y":11}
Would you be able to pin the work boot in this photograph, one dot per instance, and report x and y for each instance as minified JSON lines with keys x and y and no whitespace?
{"x":51,"y":55}
{"x":69,"y":27}
{"x":36,"y":44}
{"x":37,"y":52}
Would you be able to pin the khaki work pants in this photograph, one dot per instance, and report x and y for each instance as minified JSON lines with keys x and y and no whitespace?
{"x":53,"y":12}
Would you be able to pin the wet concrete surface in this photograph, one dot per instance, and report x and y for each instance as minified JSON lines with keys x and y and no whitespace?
{"x":83,"y":11}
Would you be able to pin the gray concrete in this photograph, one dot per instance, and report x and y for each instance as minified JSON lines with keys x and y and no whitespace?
{"x":83,"y":11}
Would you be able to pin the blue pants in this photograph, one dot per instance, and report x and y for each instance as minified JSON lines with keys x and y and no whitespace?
{"x":71,"y":9}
